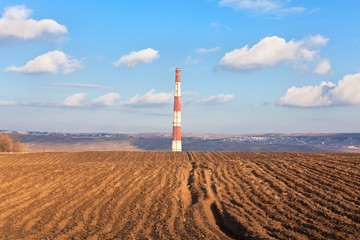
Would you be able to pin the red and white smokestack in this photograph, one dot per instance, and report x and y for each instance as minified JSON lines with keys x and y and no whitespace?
{"x":176,"y":143}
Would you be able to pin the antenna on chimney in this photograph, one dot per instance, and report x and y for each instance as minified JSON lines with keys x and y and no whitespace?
{"x":176,"y":143}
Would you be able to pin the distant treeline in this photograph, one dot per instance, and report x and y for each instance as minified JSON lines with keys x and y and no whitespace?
{"x":10,"y":143}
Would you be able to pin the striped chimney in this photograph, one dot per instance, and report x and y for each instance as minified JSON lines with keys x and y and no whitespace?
{"x":176,"y":143}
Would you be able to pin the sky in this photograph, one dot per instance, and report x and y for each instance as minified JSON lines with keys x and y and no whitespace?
{"x":247,"y":66}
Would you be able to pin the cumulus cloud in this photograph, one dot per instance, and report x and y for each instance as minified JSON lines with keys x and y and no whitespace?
{"x":277,"y":7}
{"x":74,"y":100}
{"x":208,"y":50}
{"x":322,"y":67}
{"x":105,"y":100}
{"x":51,"y":62}
{"x":151,"y":98}
{"x":135,"y":58}
{"x":218,"y":99}
{"x":345,"y":92}
{"x":274,"y":50}
{"x":7,"y":102}
{"x":309,"y":96}
{"x":17,"y":24}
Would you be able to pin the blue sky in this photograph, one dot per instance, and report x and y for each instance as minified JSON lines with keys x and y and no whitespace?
{"x":247,"y":66}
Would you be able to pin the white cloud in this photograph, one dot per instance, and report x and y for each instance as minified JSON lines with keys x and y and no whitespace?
{"x":51,"y":62}
{"x":271,"y":51}
{"x":218,"y":99}
{"x":220,"y":26}
{"x":105,"y":100}
{"x":189,"y":60}
{"x":74,"y":100}
{"x":17,"y":24}
{"x":150,"y":98}
{"x":214,"y":24}
{"x":263,"y":5}
{"x":189,"y":93}
{"x":308,"y":96}
{"x":77,"y":100}
{"x":80,"y":85}
{"x":32,"y":103}
{"x":315,"y":41}
{"x":209,"y":50}
{"x":135,"y":58}
{"x":7,"y":102}
{"x":345,"y":92}
{"x":322,"y":67}
{"x":276,"y":7}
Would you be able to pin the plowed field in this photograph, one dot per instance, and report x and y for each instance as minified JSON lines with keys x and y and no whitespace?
{"x":186,"y":195}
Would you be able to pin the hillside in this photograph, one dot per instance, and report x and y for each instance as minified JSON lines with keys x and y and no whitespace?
{"x":185,"y":195}
{"x":72,"y":142}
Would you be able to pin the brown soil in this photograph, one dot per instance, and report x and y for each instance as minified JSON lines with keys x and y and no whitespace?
{"x":186,"y":195}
